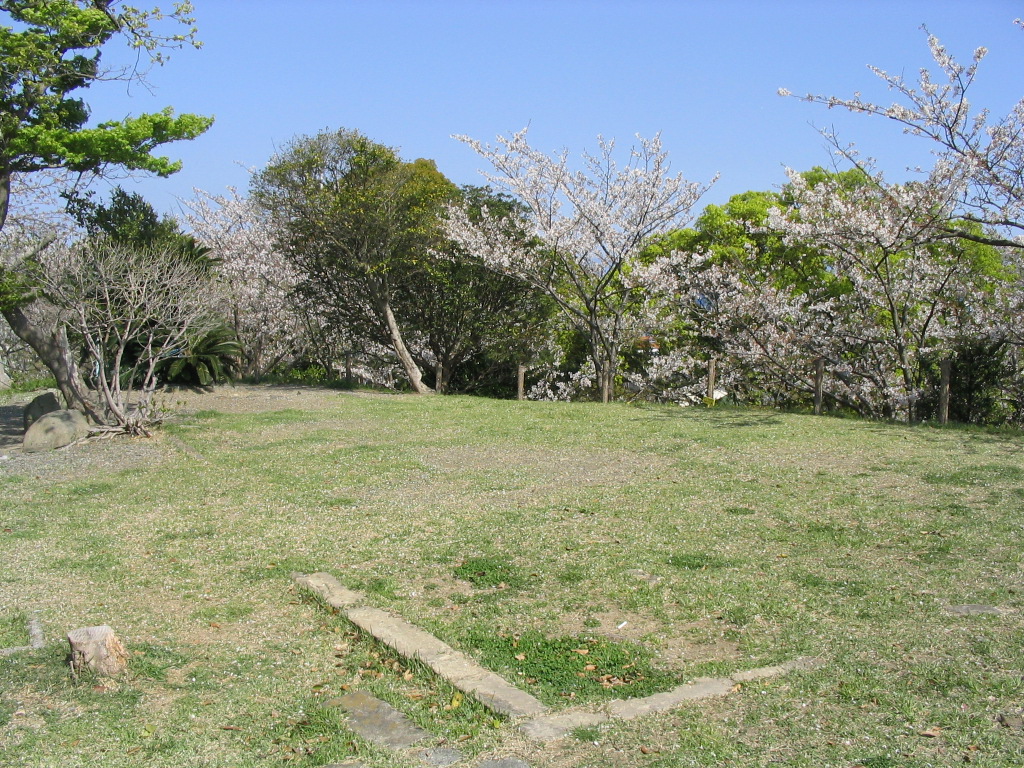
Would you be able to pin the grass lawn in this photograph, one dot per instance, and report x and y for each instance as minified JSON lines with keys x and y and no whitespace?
{"x":669,"y":543}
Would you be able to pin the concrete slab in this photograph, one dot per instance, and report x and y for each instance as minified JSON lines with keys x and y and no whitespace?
{"x":553,"y":727}
{"x":762,"y":673}
{"x":497,"y":693}
{"x":329,"y":588}
{"x":441,"y":756}
{"x":504,"y":762}
{"x":380,"y":723}
{"x":704,"y":688}
{"x":397,"y":633}
{"x":412,"y":642}
{"x":972,"y":610}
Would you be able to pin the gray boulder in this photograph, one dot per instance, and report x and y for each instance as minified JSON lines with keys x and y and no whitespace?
{"x":55,"y":430}
{"x":40,"y":406}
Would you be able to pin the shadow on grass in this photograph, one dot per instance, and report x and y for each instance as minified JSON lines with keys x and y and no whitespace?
{"x":730,"y":417}
{"x":11,"y":425}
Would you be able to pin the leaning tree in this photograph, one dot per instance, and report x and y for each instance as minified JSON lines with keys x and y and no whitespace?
{"x":50,"y":51}
{"x":354,"y":219}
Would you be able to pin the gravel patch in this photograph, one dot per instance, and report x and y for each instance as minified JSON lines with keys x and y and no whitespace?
{"x":114,"y":454}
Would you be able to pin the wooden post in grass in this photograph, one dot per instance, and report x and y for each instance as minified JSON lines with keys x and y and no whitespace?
{"x":819,"y":381}
{"x":521,"y":382}
{"x":711,"y":378}
{"x":348,"y":368}
{"x":944,"y":370}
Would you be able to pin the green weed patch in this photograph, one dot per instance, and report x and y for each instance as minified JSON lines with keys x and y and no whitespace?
{"x":13,"y":629}
{"x":568,"y":669}
{"x":484,"y":572}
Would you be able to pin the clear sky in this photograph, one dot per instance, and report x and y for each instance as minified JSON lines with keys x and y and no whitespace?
{"x":410,"y":73}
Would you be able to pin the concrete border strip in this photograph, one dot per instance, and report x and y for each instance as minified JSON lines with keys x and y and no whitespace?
{"x":492,"y":690}
{"x":556,"y":726}
{"x":35,"y":636}
{"x":496,"y":693}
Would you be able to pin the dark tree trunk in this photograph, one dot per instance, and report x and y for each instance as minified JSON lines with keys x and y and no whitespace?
{"x":50,"y":342}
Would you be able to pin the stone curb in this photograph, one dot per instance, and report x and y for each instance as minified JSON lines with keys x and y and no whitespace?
{"x":495,"y":692}
{"x":490,"y":689}
{"x":553,"y":727}
{"x":36,"y":639}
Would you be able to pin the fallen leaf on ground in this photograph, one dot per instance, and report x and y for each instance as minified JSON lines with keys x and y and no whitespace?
{"x":930,"y":733}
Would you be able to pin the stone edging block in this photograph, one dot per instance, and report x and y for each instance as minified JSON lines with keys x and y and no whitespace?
{"x":36,"y":639}
{"x":495,"y":692}
{"x":458,"y":669}
{"x":552,"y":727}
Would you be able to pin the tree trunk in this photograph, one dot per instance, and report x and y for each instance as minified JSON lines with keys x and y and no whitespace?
{"x":411,"y":369}
{"x":603,"y":377}
{"x":5,"y":378}
{"x":5,"y":196}
{"x":819,"y":380}
{"x":50,"y":342}
{"x":944,"y":368}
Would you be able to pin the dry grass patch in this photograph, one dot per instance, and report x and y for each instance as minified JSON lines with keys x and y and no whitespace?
{"x":761,"y":536}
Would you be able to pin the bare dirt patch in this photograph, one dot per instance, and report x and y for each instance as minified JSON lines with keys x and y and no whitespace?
{"x":673,"y":649}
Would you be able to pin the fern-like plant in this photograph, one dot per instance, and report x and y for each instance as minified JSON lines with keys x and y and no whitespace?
{"x":211,"y":359}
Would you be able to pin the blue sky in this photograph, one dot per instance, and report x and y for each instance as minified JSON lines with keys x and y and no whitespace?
{"x":410,"y":73}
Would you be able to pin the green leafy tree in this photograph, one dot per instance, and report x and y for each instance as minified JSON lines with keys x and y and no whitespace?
{"x":473,"y":325}
{"x":130,"y":220}
{"x":49,"y":52}
{"x":356,"y":221}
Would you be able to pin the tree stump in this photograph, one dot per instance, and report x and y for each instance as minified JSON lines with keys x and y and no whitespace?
{"x":98,"y":649}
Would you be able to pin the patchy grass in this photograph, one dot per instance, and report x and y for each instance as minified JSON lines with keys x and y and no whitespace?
{"x":491,"y":523}
{"x":13,"y":629}
{"x":561,"y":670}
{"x":490,"y":572}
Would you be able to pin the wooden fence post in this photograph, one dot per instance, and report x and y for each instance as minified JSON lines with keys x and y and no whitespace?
{"x":521,"y":382}
{"x":711,"y":378}
{"x":348,"y":368}
{"x":944,"y":369}
{"x":819,"y":381}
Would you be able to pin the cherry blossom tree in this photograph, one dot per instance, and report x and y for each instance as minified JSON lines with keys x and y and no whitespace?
{"x":589,"y":228}
{"x":259,"y":282}
{"x":980,"y":156}
{"x":895,"y":291}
